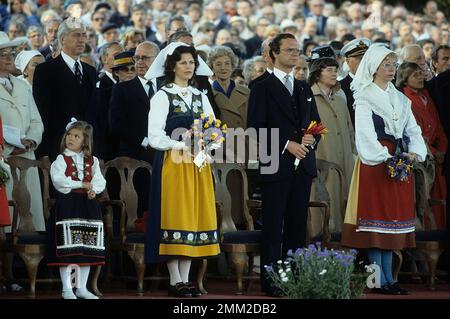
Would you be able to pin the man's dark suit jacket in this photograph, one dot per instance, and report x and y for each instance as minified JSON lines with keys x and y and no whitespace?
{"x":345,"y":86}
{"x":260,"y":78}
{"x":270,"y":107}
{"x":59,"y":97}
{"x":128,"y":118}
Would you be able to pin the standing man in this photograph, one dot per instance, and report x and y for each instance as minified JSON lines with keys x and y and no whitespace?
{"x":51,"y":33}
{"x":284,"y":106}
{"x":63,"y":87}
{"x":265,"y":50}
{"x":353,"y":52}
{"x":129,"y":108}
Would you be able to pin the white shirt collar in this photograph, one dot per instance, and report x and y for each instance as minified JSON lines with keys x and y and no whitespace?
{"x":351,"y":75}
{"x":109,"y":74}
{"x":176,"y":89}
{"x":281,"y":74}
{"x":68,"y":152}
{"x":269,"y":70}
{"x":71,"y":62}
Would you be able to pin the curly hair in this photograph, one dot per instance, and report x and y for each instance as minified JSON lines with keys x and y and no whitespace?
{"x":171,"y":61}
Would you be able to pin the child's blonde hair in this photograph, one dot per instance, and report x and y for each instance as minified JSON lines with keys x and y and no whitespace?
{"x":87,"y":130}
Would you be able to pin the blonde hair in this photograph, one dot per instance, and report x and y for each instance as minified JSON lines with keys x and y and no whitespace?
{"x":220,"y":51}
{"x":87,"y":130}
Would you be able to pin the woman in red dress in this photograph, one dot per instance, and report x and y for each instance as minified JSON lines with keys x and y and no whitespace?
{"x":5,"y":219}
{"x":410,"y":80}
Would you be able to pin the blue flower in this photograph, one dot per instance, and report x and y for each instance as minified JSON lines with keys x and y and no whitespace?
{"x":299,"y":252}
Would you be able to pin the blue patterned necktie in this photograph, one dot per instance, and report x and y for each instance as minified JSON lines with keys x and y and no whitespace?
{"x":78,"y":72}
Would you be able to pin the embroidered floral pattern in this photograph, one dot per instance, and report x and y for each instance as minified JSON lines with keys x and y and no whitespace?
{"x":189,"y":237}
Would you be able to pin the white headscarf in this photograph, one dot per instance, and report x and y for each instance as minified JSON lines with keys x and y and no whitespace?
{"x":24,"y":57}
{"x":392,"y":105}
{"x":368,"y":66}
{"x":156,"y":70}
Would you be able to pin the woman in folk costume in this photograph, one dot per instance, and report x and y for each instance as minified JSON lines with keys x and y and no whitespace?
{"x":410,"y":79}
{"x":338,"y":146}
{"x":380,"y":211}
{"x":182,"y":218}
{"x":75,"y":229}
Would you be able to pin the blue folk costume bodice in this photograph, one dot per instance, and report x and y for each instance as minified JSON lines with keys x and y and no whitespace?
{"x":401,"y":144}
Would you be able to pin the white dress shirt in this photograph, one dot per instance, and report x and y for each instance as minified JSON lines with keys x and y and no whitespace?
{"x":71,"y":62}
{"x":65,"y":184}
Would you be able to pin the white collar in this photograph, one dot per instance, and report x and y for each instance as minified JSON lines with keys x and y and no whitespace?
{"x":351,"y":75}
{"x":71,"y":62}
{"x":68,"y":152}
{"x":281,"y":74}
{"x":176,"y":89}
{"x":109,"y":74}
{"x":269,"y":70}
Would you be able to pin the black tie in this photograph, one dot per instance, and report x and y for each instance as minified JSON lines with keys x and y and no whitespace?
{"x":78,"y":72}
{"x":150,"y":90}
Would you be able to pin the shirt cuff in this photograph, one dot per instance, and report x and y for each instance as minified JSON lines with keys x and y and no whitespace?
{"x":285,"y":147}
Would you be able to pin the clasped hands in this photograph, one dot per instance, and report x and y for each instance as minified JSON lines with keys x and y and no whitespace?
{"x":91,"y":193}
{"x":300,"y":150}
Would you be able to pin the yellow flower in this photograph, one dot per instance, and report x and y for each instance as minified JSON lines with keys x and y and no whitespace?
{"x":211,"y":119}
{"x":218,"y":123}
{"x":196,"y":121}
{"x":202,"y":116}
{"x":206,"y":125}
{"x":312,"y":124}
{"x":214,"y":136}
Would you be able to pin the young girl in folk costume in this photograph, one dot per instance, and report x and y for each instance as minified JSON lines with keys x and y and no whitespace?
{"x":182,"y":218}
{"x":75,"y":227}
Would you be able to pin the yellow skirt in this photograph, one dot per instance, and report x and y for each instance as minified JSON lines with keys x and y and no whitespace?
{"x":188,"y":212}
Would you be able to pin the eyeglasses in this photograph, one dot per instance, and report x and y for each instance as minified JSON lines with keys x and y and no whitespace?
{"x":388,"y":66}
{"x":143,"y":57}
{"x":8,"y":54}
{"x":419,"y":21}
{"x":291,"y":51}
{"x":127,"y":69}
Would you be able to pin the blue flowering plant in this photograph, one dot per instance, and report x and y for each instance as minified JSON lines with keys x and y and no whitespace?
{"x":318,"y":273}
{"x":399,"y":167}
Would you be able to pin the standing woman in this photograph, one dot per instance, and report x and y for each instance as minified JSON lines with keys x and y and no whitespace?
{"x":380,"y":210}
{"x":19,"y":110}
{"x":26,"y":62}
{"x":182,"y":218}
{"x":231,"y":98}
{"x":410,"y":80}
{"x":338,"y":146}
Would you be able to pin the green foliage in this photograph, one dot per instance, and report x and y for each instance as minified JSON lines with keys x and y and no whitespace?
{"x":316,"y":273}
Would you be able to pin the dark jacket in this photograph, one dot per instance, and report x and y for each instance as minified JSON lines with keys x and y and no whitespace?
{"x":59,"y":97}
{"x":270,"y":108}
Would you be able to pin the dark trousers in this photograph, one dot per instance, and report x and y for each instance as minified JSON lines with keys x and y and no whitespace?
{"x":285,"y":212}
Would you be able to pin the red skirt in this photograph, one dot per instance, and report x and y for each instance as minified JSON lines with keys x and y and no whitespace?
{"x":5,"y":219}
{"x":385,"y":214}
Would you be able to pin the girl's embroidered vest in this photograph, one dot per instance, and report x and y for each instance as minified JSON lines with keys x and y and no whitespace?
{"x":72,"y":172}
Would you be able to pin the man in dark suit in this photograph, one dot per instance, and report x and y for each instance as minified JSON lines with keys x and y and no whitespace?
{"x":353,"y":52}
{"x":316,"y":12}
{"x":285,"y":107}
{"x":63,"y":87}
{"x":129,"y":108}
{"x":265,"y":49}
{"x":106,"y":145}
{"x":51,"y":31}
{"x":253,"y":44}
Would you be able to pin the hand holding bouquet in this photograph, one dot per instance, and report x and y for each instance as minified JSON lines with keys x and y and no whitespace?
{"x":314,"y":128}
{"x":400,"y":167}
{"x":208,"y":133}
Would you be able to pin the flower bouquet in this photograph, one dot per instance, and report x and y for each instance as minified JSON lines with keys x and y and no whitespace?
{"x":4,"y":173}
{"x":318,"y":273}
{"x":399,"y":167}
{"x":314,"y":128}
{"x":208,"y":133}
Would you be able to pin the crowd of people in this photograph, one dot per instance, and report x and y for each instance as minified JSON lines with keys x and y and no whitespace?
{"x":131,"y":72}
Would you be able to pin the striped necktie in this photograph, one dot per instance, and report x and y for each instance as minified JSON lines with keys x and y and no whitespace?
{"x":78,"y":72}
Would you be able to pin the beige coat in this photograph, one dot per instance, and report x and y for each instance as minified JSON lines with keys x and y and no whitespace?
{"x":234,"y":111}
{"x":338,"y":146}
{"x":19,"y":109}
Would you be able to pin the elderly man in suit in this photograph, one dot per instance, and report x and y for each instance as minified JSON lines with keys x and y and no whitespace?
{"x":129,"y":108}
{"x":353,"y":52}
{"x":63,"y":87}
{"x":285,"y":107}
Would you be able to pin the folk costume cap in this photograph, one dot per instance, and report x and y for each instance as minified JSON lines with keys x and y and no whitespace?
{"x":156,"y":70}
